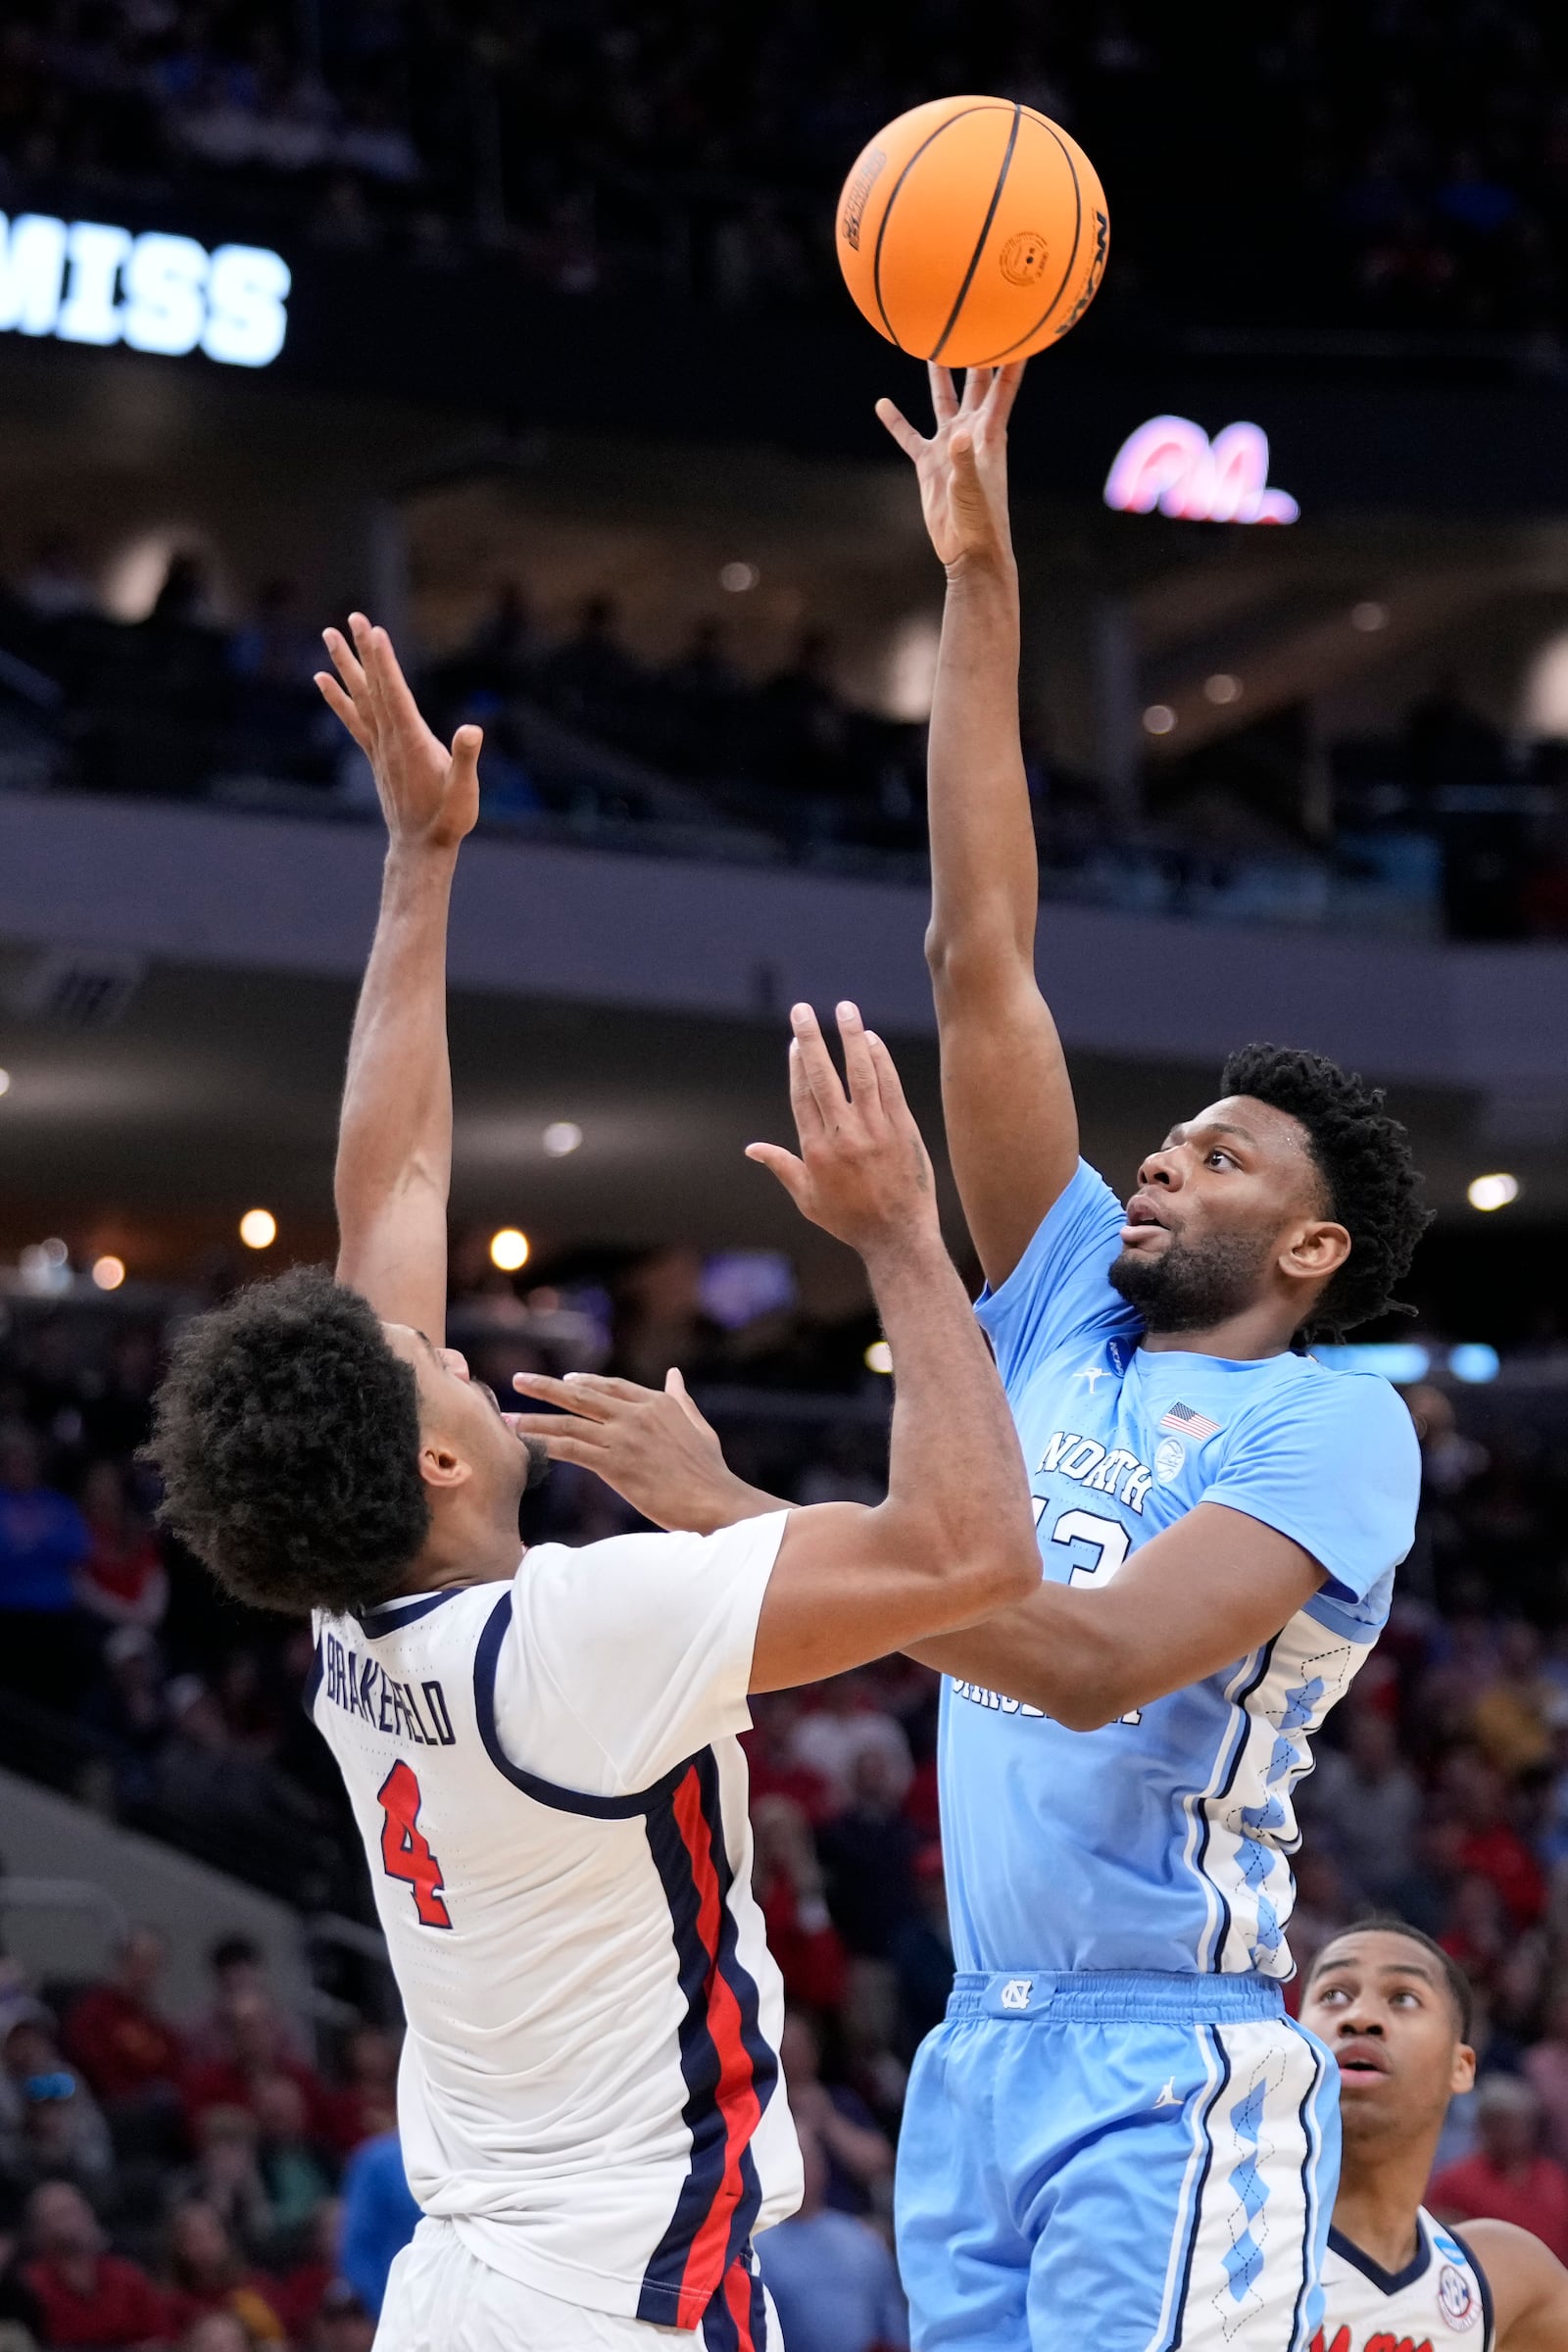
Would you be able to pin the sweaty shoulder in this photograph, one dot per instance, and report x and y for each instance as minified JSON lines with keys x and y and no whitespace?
{"x":625,"y":1657}
{"x":1331,"y":1459}
{"x":1060,"y":1287}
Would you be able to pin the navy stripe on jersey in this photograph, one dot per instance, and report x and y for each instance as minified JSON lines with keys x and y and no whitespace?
{"x":486,"y":1658}
{"x":736,"y":2320}
{"x":1214,"y":2097}
{"x":391,"y":1615}
{"x":1386,"y":2283}
{"x":1243,"y":1733}
{"x":1311,"y":2152}
{"x":720,"y":2161}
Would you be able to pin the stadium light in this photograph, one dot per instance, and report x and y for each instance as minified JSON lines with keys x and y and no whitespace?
{"x":109,"y":1272}
{"x":561,"y":1138}
{"x":738,"y":578}
{"x":1222,"y":688}
{"x":1402,"y":1361}
{"x":1488,"y":1192}
{"x":508,"y":1250}
{"x":1159,"y":719}
{"x":1369,"y":617}
{"x":1473,"y":1362}
{"x":258,"y":1229}
{"x":879,"y":1357}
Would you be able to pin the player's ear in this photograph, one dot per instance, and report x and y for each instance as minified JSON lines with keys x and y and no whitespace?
{"x":1314,"y":1251}
{"x":1463,"y":2076}
{"x":441,"y":1466}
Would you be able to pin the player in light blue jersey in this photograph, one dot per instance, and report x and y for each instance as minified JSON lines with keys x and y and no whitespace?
{"x":1118,"y":2139}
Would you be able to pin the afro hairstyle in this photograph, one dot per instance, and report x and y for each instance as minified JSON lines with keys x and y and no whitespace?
{"x":287,"y":1433}
{"x":1363,"y":1157}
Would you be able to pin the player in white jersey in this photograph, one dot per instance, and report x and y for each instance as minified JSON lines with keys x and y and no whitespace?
{"x":1394,"y":2010}
{"x":542,"y":1757}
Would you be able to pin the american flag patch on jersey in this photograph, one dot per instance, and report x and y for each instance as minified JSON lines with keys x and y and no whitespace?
{"x":1188,"y":1424}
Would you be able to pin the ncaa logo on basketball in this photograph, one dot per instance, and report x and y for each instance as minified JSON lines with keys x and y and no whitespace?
{"x":1456,"y":2300}
{"x":856,"y":194}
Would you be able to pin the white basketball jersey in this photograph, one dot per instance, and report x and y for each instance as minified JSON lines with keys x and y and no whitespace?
{"x":1441,"y":2299}
{"x":554,"y":1805}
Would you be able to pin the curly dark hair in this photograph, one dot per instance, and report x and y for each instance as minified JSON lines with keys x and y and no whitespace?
{"x":287,"y":1433}
{"x":1369,"y":1178}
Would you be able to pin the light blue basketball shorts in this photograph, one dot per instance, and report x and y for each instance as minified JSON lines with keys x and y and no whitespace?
{"x":1125,"y":2163}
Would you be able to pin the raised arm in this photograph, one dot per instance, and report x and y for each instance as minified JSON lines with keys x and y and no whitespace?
{"x":1012,"y":1131}
{"x":394,"y":1154}
{"x":954,"y":1539}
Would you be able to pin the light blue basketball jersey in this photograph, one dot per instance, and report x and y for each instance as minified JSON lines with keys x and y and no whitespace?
{"x":1161,"y":1841}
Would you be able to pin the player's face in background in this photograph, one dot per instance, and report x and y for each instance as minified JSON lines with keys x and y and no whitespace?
{"x":461,"y":1418}
{"x":1212,"y":1211}
{"x":1383,"y":2006}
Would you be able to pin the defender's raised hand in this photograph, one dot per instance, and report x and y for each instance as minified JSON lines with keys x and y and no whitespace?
{"x":652,"y":1445}
{"x":429,"y":796}
{"x":862,"y":1173}
{"x":962,"y":468}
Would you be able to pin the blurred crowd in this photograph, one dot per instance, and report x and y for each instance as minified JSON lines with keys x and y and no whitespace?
{"x":1441,"y":1792}
{"x":1403,"y":169}
{"x":1448,"y":824}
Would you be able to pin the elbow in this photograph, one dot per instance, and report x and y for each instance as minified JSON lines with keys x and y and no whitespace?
{"x":1095,"y":1685}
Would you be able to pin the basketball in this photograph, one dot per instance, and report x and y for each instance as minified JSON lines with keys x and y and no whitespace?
{"x":972,"y":230}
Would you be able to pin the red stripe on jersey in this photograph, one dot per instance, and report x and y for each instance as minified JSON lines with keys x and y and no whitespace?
{"x":736,"y":2096}
{"x":738,"y":2287}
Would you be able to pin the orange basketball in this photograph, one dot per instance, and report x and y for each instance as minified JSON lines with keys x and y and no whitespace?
{"x":973,"y":231}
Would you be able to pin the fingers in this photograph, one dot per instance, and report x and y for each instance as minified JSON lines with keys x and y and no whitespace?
{"x":370,"y":692}
{"x":675,"y":1386}
{"x":1004,"y":390}
{"x":386,"y":676}
{"x":790,"y":1171}
{"x":977,"y":382}
{"x":341,"y":707}
{"x":859,"y":1066}
{"x":572,"y":1397}
{"x":889,"y":1085}
{"x":944,"y":394}
{"x":803,"y":1103}
{"x":466,"y":745}
{"x":346,"y":663}
{"x":898,"y":424}
{"x":816,"y":1063}
{"x":563,"y":1446}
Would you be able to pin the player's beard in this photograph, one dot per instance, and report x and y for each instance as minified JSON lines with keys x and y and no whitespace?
{"x":1192,"y":1286}
{"x":538,"y":1472}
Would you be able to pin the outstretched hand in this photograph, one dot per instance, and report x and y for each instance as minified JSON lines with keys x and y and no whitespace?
{"x":429,"y":796}
{"x":653,"y":1447}
{"x":962,"y":468}
{"x":862,"y":1173}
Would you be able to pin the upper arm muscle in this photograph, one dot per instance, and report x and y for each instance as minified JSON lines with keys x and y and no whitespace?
{"x":1007,"y":1099}
{"x":1529,"y":2286}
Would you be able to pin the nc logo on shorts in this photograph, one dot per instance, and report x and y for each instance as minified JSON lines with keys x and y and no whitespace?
{"x":1170,"y":1456}
{"x":1457,"y":2298}
{"x":1015,"y":1992}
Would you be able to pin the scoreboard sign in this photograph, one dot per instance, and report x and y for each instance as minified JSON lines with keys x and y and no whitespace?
{"x":85,"y":282}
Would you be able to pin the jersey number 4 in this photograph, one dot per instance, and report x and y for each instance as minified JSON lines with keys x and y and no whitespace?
{"x":405,"y":1849}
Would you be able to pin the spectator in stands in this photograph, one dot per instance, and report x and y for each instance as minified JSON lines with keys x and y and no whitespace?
{"x":378,"y":2217}
{"x":1367,"y":1802}
{"x":87,"y":2296}
{"x":297,"y":2170}
{"x":239,"y":1972}
{"x":1546,"y":2067}
{"x":121,"y":1580}
{"x":831,"y":2276}
{"x":227,"y":2176}
{"x":128,"y":1709}
{"x":1493,"y":1848}
{"x":868,"y":1851}
{"x":590,"y":677}
{"x":787,"y":1881}
{"x":856,"y":2152}
{"x":217,"y":2332}
{"x":921,"y":1953}
{"x":1510,"y":2177}
{"x":43,"y":1543}
{"x":116,"y":2033}
{"x":367,"y":2102}
{"x":844,"y":1724}
{"x":1512,"y":1717}
{"x":342,"y":2324}
{"x":258,"y":2049}
{"x":49,"y":2119}
{"x":207,"y":2272}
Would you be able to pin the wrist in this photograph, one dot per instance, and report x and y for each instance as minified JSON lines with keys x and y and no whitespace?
{"x":911,"y":1248}
{"x":421,"y":859}
{"x":980,"y":570}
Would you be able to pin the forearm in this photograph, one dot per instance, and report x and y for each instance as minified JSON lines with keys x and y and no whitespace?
{"x":395,"y":1132}
{"x":985,"y":891}
{"x":1041,"y":1652}
{"x":954,"y":1461}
